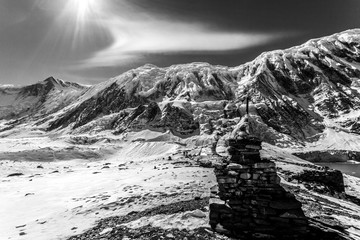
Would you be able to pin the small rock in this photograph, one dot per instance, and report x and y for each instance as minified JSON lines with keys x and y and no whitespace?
{"x":198,"y":213}
{"x":245,"y":176}
{"x":235,"y":166}
{"x":39,"y":166}
{"x":219,"y":228}
{"x":106,"y":230}
{"x":170,"y":235}
{"x":15,"y":174}
{"x":232,"y":173}
{"x":74,"y":228}
{"x":21,"y":226}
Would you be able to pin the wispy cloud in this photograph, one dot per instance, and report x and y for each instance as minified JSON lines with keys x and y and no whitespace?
{"x":135,"y":34}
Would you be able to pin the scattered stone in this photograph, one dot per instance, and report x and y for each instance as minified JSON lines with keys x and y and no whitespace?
{"x":170,"y":235}
{"x":21,"y":226}
{"x":40,"y":167}
{"x":15,"y":174}
{"x":220,"y":229}
{"x":197,"y":213}
{"x":106,"y":230}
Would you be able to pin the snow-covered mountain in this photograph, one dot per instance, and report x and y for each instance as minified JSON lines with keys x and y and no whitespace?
{"x":309,"y":87}
{"x":37,"y":100}
{"x":301,"y":96}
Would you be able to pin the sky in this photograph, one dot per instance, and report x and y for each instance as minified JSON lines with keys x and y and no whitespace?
{"x":90,"y":41}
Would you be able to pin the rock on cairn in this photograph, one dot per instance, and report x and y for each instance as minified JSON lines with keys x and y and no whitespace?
{"x":248,"y":201}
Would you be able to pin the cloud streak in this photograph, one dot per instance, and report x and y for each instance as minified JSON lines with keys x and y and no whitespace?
{"x":137,"y":33}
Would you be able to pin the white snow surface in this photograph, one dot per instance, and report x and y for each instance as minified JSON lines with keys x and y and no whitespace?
{"x":64,"y":198}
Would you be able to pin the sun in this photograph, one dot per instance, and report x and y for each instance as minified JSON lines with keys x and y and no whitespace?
{"x":80,"y":17}
{"x":83,"y":8}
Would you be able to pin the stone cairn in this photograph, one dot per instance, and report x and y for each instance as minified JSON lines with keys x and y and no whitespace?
{"x":248,"y":201}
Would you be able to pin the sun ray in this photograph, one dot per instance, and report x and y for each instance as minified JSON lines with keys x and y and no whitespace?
{"x":84,"y":8}
{"x":84,"y":12}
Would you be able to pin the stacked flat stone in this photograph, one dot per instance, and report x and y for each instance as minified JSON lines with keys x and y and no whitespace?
{"x":248,"y":200}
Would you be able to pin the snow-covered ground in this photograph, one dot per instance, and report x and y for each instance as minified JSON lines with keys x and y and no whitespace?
{"x":57,"y":199}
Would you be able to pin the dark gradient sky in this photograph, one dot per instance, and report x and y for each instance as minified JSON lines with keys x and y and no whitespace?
{"x":89,"y":41}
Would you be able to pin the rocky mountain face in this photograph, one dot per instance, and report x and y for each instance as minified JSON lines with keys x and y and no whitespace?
{"x":144,"y":89}
{"x":303,"y":87}
{"x":37,"y":101}
{"x":296,"y":94}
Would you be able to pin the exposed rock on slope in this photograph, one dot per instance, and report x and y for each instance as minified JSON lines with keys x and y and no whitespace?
{"x":37,"y":100}
{"x":297,"y":96}
{"x":302,"y":86}
{"x":296,"y":93}
{"x":148,"y":85}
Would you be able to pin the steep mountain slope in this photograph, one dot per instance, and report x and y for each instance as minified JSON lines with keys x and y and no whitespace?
{"x":301,"y":96}
{"x":37,"y":100}
{"x":153,"y":86}
{"x":308,"y":87}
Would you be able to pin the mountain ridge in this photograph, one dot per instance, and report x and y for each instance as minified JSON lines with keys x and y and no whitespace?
{"x":297,"y":95}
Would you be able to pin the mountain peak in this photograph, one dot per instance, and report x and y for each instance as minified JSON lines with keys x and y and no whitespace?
{"x":53,"y":82}
{"x":51,"y":79}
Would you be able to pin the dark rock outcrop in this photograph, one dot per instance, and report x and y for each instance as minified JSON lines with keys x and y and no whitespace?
{"x":329,"y":178}
{"x":329,"y":156}
{"x":176,"y":119}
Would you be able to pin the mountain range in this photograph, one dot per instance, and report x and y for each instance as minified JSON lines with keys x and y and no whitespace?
{"x":304,"y":97}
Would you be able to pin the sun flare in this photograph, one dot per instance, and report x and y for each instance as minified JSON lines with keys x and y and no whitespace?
{"x":81,"y":18}
{"x":83,"y":8}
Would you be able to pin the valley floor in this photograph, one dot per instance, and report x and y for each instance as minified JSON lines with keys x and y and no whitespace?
{"x":129,"y":189}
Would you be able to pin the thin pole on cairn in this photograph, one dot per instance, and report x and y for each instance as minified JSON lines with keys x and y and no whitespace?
{"x":247,"y":104}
